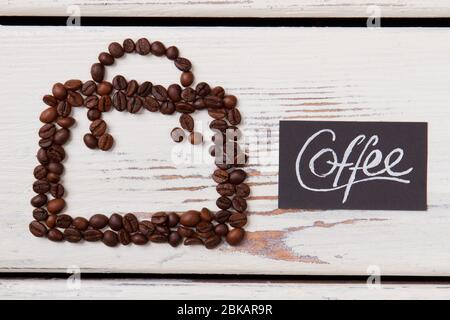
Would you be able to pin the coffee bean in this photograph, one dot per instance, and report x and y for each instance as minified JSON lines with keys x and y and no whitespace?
{"x":159,"y":92}
{"x":55,"y":167}
{"x":234,"y":116}
{"x":37,"y":229}
{"x":56,"y":153}
{"x":167,"y":107}
{"x":225,"y":189}
{"x":132,"y":88}
{"x":146,"y":228}
{"x":220,"y":125}
{"x":139,"y":239}
{"x":57,"y":191}
{"x":104,"y":88}
{"x":40,"y":214}
{"x":220,"y":176}
{"x":162,"y":229}
{"x":195,"y":138}
{"x":50,"y":100}
{"x":213,"y":102}
{"x":63,"y":221}
{"x":91,"y":102}
{"x":55,"y":235}
{"x":63,"y":109}
{"x":204,"y":235}
{"x":73,"y":84}
{"x":104,"y":103}
{"x":143,"y":46}
{"x":159,"y":218}
{"x":221,"y":229}
{"x":116,"y":50}
{"x":238,"y":220}
{"x":190,"y":218}
{"x":174,"y":92}
{"x":235,"y":236}
{"x":41,"y":186}
{"x":45,"y":143}
{"x":183,"y":64}
{"x":237,"y":176}
{"x":239,"y":204}
{"x":90,"y":141}
{"x":172,"y":219}
{"x":40,"y":172}
{"x":94,"y":114}
{"x":75,"y":99}
{"x":217,"y":114}
{"x":115,"y":222}
{"x":47,"y":130}
{"x":203,"y":89}
{"x":186,"y":78}
{"x":55,"y":206}
{"x":192,"y":241}
{"x":53,"y":177}
{"x":151,"y":104}
{"x":119,"y":101}
{"x":106,"y":59}
{"x":130,"y":223}
{"x":59,"y":91}
{"x":199,"y":104}
{"x":223,"y":203}
{"x":212,"y":242}
{"x":174,"y":239}
{"x":61,"y":136}
{"x":88,"y":88}
{"x":184,"y":107}
{"x":97,"y":72}
{"x":48,"y":115}
{"x":124,"y":237}
{"x":98,"y":127}
{"x":98,"y":221}
{"x":51,"y":221}
{"x":172,"y":53}
{"x":158,"y":238}
{"x":157,"y":48}
{"x":218,"y":92}
{"x":128,"y":45}
{"x":188,"y":94}
{"x":42,"y":156}
{"x":38,"y":200}
{"x":229,"y":101}
{"x":242,"y":190}
{"x":110,"y":238}
{"x":204,"y":226}
{"x":222,"y":216}
{"x":185,"y":232}
{"x":66,"y":122}
{"x":92,"y":235}
{"x":134,"y":104}
{"x":145,"y":89}
{"x":105,"y":142}
{"x":119,"y":82}
{"x":206,"y":215}
{"x":177,"y":134}
{"x":80,"y":223}
{"x":72,"y":235}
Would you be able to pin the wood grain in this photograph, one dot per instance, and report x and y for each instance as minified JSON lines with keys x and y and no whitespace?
{"x":277,"y":73}
{"x":229,"y":8}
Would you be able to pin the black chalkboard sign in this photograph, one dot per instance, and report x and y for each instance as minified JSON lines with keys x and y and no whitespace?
{"x":353,"y":165}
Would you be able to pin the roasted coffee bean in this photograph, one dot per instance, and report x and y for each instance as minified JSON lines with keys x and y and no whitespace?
{"x":104,"y":88}
{"x":183,"y":64}
{"x":98,"y":221}
{"x":185,"y":232}
{"x":223,"y":203}
{"x":75,"y":99}
{"x":203,"y":89}
{"x":213,"y":102}
{"x":50,"y":100}
{"x":172,"y":53}
{"x":167,"y":107}
{"x":151,"y":104}
{"x":48,"y":115}
{"x":220,"y":125}
{"x":110,"y":238}
{"x":145,"y":89}
{"x":204,"y":226}
{"x":195,"y":138}
{"x":51,"y":221}
{"x":159,"y":92}
{"x":229,"y":101}
{"x":130,"y":223}
{"x":204,"y":235}
{"x":212,"y":242}
{"x":139,"y":239}
{"x":42,"y":156}
{"x":146,"y":228}
{"x":116,"y":50}
{"x":119,"y":82}
{"x":235,"y":236}
{"x":220,"y":176}
{"x":106,"y":59}
{"x":157,"y":48}
{"x":174,"y":239}
{"x":37,"y":229}
{"x":186,"y":78}
{"x":73,"y":84}
{"x":94,"y":114}
{"x":199,"y":104}
{"x":221,"y":229}
{"x":206,"y":215}
{"x":222,"y":216}
{"x":91,"y":102}
{"x":40,"y":172}
{"x":55,"y":235}
{"x":174,"y":92}
{"x":88,"y":88}
{"x":55,"y":206}
{"x":134,"y":105}
{"x":119,"y":101}
{"x":115,"y":222}
{"x":162,"y":229}
{"x":143,"y":46}
{"x":57,"y":191}
{"x":128,"y":45}
{"x":66,"y":122}
{"x":97,"y":72}
{"x":172,"y":219}
{"x":234,"y":116}
{"x":218,"y":92}
{"x":92,"y":235}
{"x":192,"y":241}
{"x":45,"y":143}
{"x":72,"y":235}
{"x":132,"y":88}
{"x":187,"y":122}
{"x":184,"y":107}
{"x":63,"y":221}
{"x":237,"y":176}
{"x":63,"y":109}
{"x":56,"y":153}
{"x":41,"y":186}
{"x":55,"y":167}
{"x":190,"y":218}
{"x":47,"y":130}
{"x":124,"y":237}
{"x":80,"y":223}
{"x":158,"y":238}
{"x":104,"y":103}
{"x":40,"y":214}
{"x":239,"y":204}
{"x":217,"y":114}
{"x":59,"y":91}
{"x":38,"y":200}
{"x":188,"y":94}
{"x":159,"y":218}
{"x":61,"y":136}
{"x":90,"y":141}
{"x":242,"y":190}
{"x":53,"y":177}
{"x":105,"y":142}
{"x":177,"y":134}
{"x":238,"y":220}
{"x":98,"y":127}
{"x":225,"y":189}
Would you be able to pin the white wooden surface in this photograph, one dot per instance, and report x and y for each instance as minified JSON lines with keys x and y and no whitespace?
{"x":229,"y":8}
{"x":279,"y":73}
{"x":180,"y":289}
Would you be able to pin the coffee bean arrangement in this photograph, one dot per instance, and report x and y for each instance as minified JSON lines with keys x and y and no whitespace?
{"x":193,"y":227}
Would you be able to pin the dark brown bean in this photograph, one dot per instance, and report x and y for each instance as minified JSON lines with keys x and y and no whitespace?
{"x":132,"y":88}
{"x":48,"y":115}
{"x":47,"y":130}
{"x":56,"y":153}
{"x":220,"y":125}
{"x":128,"y":45}
{"x":212,"y":242}
{"x":63,"y":221}
{"x":59,"y":91}
{"x":134,"y":104}
{"x":238,"y":220}
{"x":185,"y":232}
{"x":206,"y":215}
{"x":41,"y":186}
{"x":167,"y":107}
{"x":172,"y":52}
{"x":158,"y":238}
{"x":159,"y":92}
{"x":151,"y":104}
{"x":98,"y":127}
{"x":199,"y":104}
{"x":235,"y":236}
{"x":192,"y":241}
{"x":130,"y":223}
{"x":37,"y":229}
{"x":218,"y":92}
{"x":92,"y":235}
{"x":38,"y":200}
{"x":104,"y":88}
{"x":220,"y":176}
{"x":105,"y":58}
{"x":234,"y":116}
{"x":217,"y":114}
{"x":223,"y":203}
{"x":50,"y":100}
{"x":57,"y":191}
{"x":225,"y":189}
{"x":174,"y":239}
{"x":90,"y":141}
{"x":124,"y":237}
{"x":239,"y":204}
{"x":203,"y":89}
{"x":55,"y":206}
{"x":162,"y":229}
{"x":104,"y":103}
{"x":98,"y":221}
{"x":61,"y":136}
{"x":94,"y":114}
{"x":177,"y":134}
{"x":184,"y":107}
{"x":105,"y":142}
{"x":159,"y":218}
{"x":119,"y":82}
{"x":222,"y":216}
{"x":115,"y":222}
{"x":143,"y":46}
{"x":119,"y":101}
{"x":229,"y":101}
{"x":73,"y":84}
{"x":55,"y":235}
{"x":174,"y":92}
{"x":186,"y":78}
{"x":51,"y":221}
{"x":88,"y":88}
{"x":139,"y":239}
{"x":190,"y":218}
{"x":72,"y":235}
{"x":157,"y":48}
{"x":213,"y":102}
{"x":146,"y":228}
{"x":242,"y":190}
{"x":238,"y":176}
{"x":204,"y":235}
{"x":172,"y":219}
{"x":115,"y":49}
{"x":40,"y":214}
{"x":40,"y":172}
{"x":221,"y":229}
{"x":183,"y":64}
{"x":75,"y":99}
{"x":45,"y":143}
{"x":110,"y":238}
{"x":66,"y":122}
{"x":91,"y":102}
{"x":53,"y":177}
{"x":204,"y":226}
{"x":63,"y":109}
{"x":42,"y":156}
{"x":188,"y":94}
{"x":145,"y":89}
{"x":97,"y":72}
{"x":80,"y":223}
